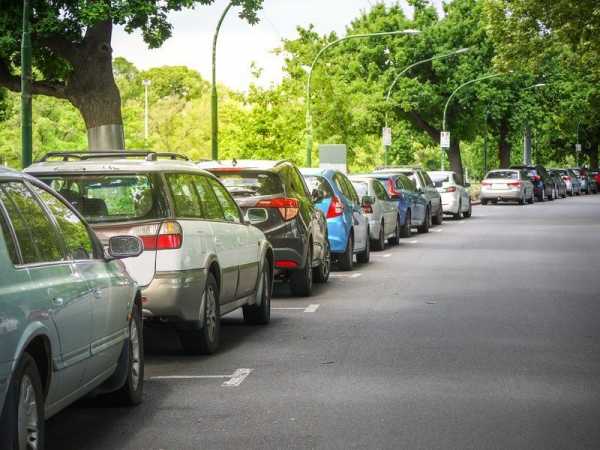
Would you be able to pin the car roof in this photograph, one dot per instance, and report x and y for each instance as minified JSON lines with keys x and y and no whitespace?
{"x":318,"y":171}
{"x":243,"y":164}
{"x":398,"y":169}
{"x":442,"y":172}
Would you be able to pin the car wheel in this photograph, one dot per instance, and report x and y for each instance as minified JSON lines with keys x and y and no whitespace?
{"x":346,"y":259}
{"x":406,"y":230}
{"x":484,"y":202}
{"x":380,"y":242}
{"x":321,"y":273}
{"x":205,"y":341}
{"x":365,"y":256}
{"x":22,"y":425}
{"x":531,"y":199}
{"x":301,"y":281}
{"x":438,"y":219}
{"x":459,"y":214}
{"x":395,"y":240}
{"x":426,"y":225}
{"x":260,"y":314}
{"x":469,"y":212}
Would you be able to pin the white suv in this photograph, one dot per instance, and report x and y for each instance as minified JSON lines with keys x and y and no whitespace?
{"x":202,"y":258}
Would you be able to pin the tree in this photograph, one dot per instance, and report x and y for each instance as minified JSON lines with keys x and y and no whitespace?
{"x":72,"y":51}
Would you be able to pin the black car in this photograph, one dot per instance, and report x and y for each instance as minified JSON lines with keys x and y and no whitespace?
{"x":544,"y":187}
{"x":296,"y":229}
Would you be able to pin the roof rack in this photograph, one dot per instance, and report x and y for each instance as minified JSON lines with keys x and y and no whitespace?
{"x":85,"y":155}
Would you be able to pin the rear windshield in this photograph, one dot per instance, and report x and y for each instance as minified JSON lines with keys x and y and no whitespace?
{"x":362,"y":188}
{"x":251,"y":183}
{"x":576,"y":171}
{"x":316,"y":182}
{"x":504,"y":174}
{"x":439,"y":179}
{"x":112,"y":198}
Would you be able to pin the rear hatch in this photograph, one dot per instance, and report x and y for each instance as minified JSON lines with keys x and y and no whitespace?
{"x":119,"y":204}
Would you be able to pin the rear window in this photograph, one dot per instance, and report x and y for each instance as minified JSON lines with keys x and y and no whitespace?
{"x":439,"y":179}
{"x":503,"y":174}
{"x":251,"y":184}
{"x":112,"y":198}
{"x":361,"y":187}
{"x":316,"y":182}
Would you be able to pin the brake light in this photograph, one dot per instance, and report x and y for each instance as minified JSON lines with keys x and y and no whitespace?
{"x":486,"y":183}
{"x":160,"y":236}
{"x":286,"y":264}
{"x":516,"y":184}
{"x":392,"y":188}
{"x":536,"y":178}
{"x":450,"y":189}
{"x":336,"y":208}
{"x":566,"y":178}
{"x":367,"y":209}
{"x":288,"y":207}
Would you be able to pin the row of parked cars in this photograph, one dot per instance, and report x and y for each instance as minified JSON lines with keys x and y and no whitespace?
{"x":93,"y":245}
{"x":527,"y":184}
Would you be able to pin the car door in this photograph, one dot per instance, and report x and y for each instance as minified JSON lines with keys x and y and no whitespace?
{"x":389,"y":208}
{"x":61,"y":294}
{"x":418,"y":201}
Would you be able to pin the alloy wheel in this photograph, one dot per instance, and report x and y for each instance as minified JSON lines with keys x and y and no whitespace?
{"x":211,"y":313}
{"x":28,"y":416}
{"x":134,"y":341}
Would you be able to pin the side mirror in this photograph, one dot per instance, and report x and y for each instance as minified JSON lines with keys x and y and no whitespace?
{"x":121,"y":247}
{"x":256,"y":216}
{"x":368,"y":200}
{"x":317,"y":195}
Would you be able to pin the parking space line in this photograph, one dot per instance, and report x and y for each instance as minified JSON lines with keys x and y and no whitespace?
{"x":233,"y":380}
{"x":287,"y":309}
{"x":311,"y":308}
{"x":237,"y":378}
{"x":345,"y":275}
{"x":439,"y":230}
{"x":413,"y":242}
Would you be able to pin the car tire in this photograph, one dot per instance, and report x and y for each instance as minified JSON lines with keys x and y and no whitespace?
{"x":484,"y":202}
{"x":395,"y":240}
{"x":321,"y":273}
{"x":469,"y":212}
{"x":205,"y":341}
{"x":379,"y":244}
{"x":406,"y":230}
{"x":260,"y":314}
{"x":531,"y":199}
{"x":346,"y":259}
{"x":459,"y":214}
{"x":438,"y":219}
{"x":365,"y":256}
{"x":426,"y":225}
{"x":15,"y":435}
{"x":301,"y":281}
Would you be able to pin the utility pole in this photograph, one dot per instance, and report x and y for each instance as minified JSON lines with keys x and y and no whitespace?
{"x":485,"y":145}
{"x":26,"y":110}
{"x":146,"y":84}
{"x":527,"y":146}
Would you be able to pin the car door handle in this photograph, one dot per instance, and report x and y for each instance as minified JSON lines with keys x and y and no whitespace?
{"x":58,"y":301}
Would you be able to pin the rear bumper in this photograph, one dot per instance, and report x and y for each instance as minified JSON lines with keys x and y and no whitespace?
{"x":450,"y":203}
{"x":374,"y":226}
{"x":501,"y":195}
{"x":175,"y":295}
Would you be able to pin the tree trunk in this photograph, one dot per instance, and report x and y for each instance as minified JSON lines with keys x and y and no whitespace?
{"x":504,"y":146}
{"x":456,"y":161}
{"x":594,"y":155}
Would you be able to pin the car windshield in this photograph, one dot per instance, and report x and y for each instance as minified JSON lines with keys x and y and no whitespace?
{"x":439,"y":179}
{"x":112,"y":198}
{"x":251,"y":183}
{"x":503,"y":174}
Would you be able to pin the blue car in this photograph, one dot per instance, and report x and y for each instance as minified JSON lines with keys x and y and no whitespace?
{"x":412,"y":203}
{"x":347,"y":226}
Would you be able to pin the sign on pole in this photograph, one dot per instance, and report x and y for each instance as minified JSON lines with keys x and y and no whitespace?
{"x":445,"y":139}
{"x":578,"y":148}
{"x":387,"y":137}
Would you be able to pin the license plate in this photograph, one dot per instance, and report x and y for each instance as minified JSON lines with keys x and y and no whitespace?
{"x":499,"y":187}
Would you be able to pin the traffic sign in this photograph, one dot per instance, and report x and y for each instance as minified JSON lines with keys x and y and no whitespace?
{"x":387,"y":136}
{"x":578,"y":148}
{"x":445,"y":139}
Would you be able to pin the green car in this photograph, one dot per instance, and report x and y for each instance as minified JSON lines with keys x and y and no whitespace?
{"x":70,"y":317}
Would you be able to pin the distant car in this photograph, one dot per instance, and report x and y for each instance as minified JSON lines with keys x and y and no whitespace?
{"x":202,"y":259}
{"x":543,"y":185}
{"x":584,"y":179}
{"x":595,"y":176}
{"x":571,"y":180}
{"x":70,"y":317}
{"x":456,"y":199}
{"x":414,"y":206}
{"x":507,"y":185}
{"x":561,"y":185}
{"x":296,"y":229}
{"x":380,"y":209}
{"x":347,"y":225}
{"x":425,"y":185}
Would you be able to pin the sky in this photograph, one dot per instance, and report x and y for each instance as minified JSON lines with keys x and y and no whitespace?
{"x":240,"y":44}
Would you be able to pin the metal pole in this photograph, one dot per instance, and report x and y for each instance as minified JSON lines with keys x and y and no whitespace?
{"x":309,"y":130}
{"x":485,"y":146}
{"x":214,"y":95}
{"x":26,"y":77}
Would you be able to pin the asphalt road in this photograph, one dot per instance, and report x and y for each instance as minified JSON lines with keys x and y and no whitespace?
{"x":484,"y":334}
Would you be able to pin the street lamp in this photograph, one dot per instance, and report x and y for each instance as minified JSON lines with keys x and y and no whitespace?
{"x":527,"y":147}
{"x":26,"y":79}
{"x":309,"y":82}
{"x":402,"y":72}
{"x":146,"y":84}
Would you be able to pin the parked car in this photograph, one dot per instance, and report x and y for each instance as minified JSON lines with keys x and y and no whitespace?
{"x":543,"y":186}
{"x":584,"y":179}
{"x":559,"y":182}
{"x":296,"y":229}
{"x":456,"y":199}
{"x":202,"y":259}
{"x":347,"y":225}
{"x":380,"y":209}
{"x":423,"y":184}
{"x":571,"y":180}
{"x":70,"y":317}
{"x":414,"y":207}
{"x":595,"y":176}
{"x":507,"y":185}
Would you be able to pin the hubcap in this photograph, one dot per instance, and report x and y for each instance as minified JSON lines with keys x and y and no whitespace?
{"x":211,"y":313}
{"x":28,"y":416}
{"x":135,"y":354}
{"x":326,"y":264}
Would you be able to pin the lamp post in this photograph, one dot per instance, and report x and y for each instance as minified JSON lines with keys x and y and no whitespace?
{"x":466,"y":83}
{"x":214,"y":95}
{"x":146,"y":84}
{"x":309,"y":137}
{"x":402,"y":72}
{"x":527,"y":147}
{"x":26,"y":77}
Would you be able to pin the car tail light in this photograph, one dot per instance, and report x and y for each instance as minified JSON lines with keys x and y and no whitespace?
{"x":516,"y":184}
{"x":367,"y":209}
{"x":450,"y":189}
{"x":286,"y":264}
{"x":566,"y":178}
{"x":486,"y":183}
{"x":392,"y":188}
{"x":536,"y":178}
{"x":160,"y":236}
{"x":288,"y":207}
{"x":336,"y":208}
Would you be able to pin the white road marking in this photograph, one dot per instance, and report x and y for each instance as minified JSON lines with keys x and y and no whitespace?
{"x":311,"y":308}
{"x":345,"y":275}
{"x":287,"y":309}
{"x":387,"y":255}
{"x":439,"y":230}
{"x":187,"y":377}
{"x":237,"y":378}
{"x":413,"y":242}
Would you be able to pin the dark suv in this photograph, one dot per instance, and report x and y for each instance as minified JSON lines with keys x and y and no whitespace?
{"x":543,"y":185}
{"x":297,"y":230}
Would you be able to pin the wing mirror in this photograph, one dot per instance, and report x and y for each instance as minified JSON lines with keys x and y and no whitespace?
{"x":121,"y":247}
{"x":317,"y":195}
{"x":256,"y":216}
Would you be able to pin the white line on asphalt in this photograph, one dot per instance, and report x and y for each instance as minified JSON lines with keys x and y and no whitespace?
{"x":387,"y":255}
{"x":413,"y":242}
{"x":439,"y":230}
{"x":187,"y":377}
{"x":311,"y":308}
{"x":345,"y":275}
{"x":287,"y":309}
{"x":237,"y":378}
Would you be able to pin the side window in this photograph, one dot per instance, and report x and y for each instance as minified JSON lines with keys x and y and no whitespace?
{"x":212,"y":208}
{"x":75,"y":233}
{"x":298,"y":184}
{"x":230,"y":208}
{"x":36,"y":235}
{"x":408,"y":184}
{"x":185,"y":197}
{"x":426,"y":179}
{"x":380,"y":191}
{"x":8,"y":238}
{"x":338,"y":180}
{"x":352,"y":195}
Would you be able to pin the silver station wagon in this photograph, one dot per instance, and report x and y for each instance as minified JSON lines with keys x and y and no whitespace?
{"x":70,"y":318}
